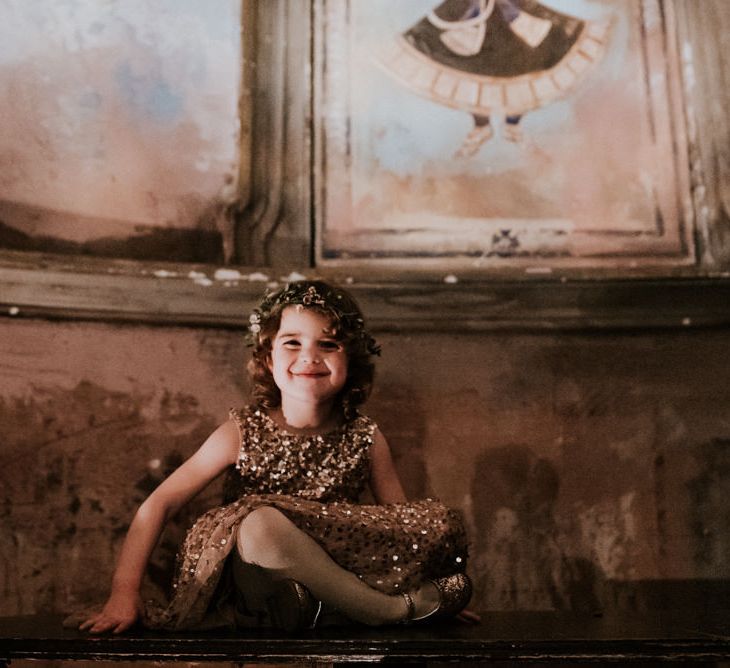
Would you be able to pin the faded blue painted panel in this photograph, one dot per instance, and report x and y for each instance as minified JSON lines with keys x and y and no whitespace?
{"x":149,"y":94}
{"x":124,"y":109}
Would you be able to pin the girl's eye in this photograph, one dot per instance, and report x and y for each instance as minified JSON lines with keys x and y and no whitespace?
{"x":329,"y":346}
{"x":291,"y":343}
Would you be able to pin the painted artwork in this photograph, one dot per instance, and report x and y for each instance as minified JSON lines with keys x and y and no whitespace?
{"x":501,"y":133}
{"x":120,"y":127}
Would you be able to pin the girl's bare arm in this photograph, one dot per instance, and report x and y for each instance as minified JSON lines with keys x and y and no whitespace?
{"x":384,"y":481}
{"x":124,"y":604}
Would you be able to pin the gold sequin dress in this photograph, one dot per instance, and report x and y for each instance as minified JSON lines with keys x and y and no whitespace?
{"x":316,"y":482}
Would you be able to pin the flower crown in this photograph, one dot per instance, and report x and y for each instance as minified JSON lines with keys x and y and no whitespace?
{"x":345,"y":316}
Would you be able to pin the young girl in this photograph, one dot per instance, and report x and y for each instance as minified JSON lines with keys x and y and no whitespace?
{"x":291,"y":546}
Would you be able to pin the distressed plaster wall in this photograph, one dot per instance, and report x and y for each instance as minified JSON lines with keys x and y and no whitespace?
{"x":93,"y":417}
{"x":118,"y":119}
{"x":593,"y":470}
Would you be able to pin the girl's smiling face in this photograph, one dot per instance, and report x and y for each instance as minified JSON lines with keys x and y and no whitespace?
{"x":308,"y":363}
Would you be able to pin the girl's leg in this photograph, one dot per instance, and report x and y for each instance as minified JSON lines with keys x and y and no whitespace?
{"x":269,"y":539}
{"x":481,"y":132}
{"x":512,"y":130}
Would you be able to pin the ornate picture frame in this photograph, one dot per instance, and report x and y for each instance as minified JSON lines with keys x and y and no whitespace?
{"x":549,"y":142}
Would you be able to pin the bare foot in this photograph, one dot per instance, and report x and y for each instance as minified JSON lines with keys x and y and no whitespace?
{"x":513,"y":132}
{"x":473,"y":141}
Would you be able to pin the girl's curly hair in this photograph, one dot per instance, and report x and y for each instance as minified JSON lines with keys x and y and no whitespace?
{"x":348,"y":327}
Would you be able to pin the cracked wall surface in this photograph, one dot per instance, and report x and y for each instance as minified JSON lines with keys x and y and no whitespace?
{"x":93,"y":418}
{"x":121,"y":129}
{"x":592,"y":470}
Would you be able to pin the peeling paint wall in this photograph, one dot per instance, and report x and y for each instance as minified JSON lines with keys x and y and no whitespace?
{"x":118,"y":119}
{"x":592,"y":470}
{"x":93,"y":417}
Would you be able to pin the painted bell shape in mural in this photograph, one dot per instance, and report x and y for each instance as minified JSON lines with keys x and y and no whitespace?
{"x":530,"y":29}
{"x":464,"y":37}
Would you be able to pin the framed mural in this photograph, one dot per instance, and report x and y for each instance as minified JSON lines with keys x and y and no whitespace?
{"x":479,"y":164}
{"x":480,"y":135}
{"x":144,"y":173}
{"x":117,"y":127}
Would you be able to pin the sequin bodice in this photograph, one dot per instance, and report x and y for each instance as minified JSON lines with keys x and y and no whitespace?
{"x":331,"y":467}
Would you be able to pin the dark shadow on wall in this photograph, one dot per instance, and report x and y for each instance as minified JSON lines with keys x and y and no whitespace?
{"x":701,"y":595}
{"x":203,"y":244}
{"x":709,"y":496}
{"x":521,"y":563}
{"x":525,"y":555}
{"x":402,"y":419}
{"x":73,"y":467}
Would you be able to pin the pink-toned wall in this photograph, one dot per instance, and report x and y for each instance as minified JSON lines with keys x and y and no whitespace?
{"x":593,"y":469}
{"x":118,"y":120}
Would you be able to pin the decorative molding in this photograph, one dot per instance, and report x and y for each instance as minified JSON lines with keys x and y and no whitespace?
{"x":273,"y":228}
{"x":179,"y":295}
{"x":705,"y":42}
{"x":396,"y":298}
{"x":392,"y":186}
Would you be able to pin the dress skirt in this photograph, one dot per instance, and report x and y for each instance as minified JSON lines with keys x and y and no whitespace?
{"x":392,"y":548}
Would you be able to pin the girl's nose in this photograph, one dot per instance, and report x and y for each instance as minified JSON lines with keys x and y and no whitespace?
{"x":310,"y":355}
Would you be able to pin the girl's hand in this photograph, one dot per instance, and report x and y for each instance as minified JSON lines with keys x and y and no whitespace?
{"x":120,"y":612}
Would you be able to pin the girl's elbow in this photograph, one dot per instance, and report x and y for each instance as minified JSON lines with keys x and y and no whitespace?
{"x":157,"y":508}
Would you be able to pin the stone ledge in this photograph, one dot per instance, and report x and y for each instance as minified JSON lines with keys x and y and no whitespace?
{"x":657,"y":636}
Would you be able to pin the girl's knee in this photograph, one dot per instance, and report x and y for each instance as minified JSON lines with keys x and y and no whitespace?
{"x":265,"y":538}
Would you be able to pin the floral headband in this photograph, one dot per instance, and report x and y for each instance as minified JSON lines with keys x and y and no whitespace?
{"x":305,"y":294}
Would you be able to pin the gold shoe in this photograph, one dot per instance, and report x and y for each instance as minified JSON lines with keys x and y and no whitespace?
{"x":454,"y":594}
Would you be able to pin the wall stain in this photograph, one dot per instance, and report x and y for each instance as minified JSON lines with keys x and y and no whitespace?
{"x":148,"y":243}
{"x":709,"y":491}
{"x":405,"y":437}
{"x":73,"y":468}
{"x":525,"y":557}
